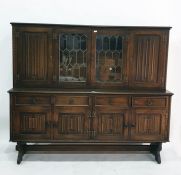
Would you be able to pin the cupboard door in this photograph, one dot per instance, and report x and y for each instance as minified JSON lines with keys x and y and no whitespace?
{"x":149,"y":60}
{"x":110,"y":124}
{"x":71,"y":123}
{"x":33,"y":60}
{"x":110,"y":64}
{"x":31,"y":123}
{"x":71,"y":57}
{"x":149,"y":125}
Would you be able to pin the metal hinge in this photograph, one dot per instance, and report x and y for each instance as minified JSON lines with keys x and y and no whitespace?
{"x":47,"y":124}
{"x":17,"y":76}
{"x":16,"y":34}
{"x":54,"y":125}
{"x":54,"y":36}
{"x":54,"y":77}
{"x":92,"y":114}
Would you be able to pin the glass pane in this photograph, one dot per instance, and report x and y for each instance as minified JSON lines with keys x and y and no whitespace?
{"x":109,"y":59}
{"x":72,"y":57}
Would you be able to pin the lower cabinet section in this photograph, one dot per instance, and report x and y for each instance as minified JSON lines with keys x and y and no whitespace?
{"x":90,"y":119}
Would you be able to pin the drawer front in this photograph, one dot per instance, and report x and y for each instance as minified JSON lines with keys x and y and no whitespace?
{"x":122,"y":101}
{"x":72,"y":100}
{"x":32,"y":100}
{"x":149,"y":101}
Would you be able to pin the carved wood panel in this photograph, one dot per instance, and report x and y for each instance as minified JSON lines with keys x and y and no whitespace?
{"x":72,"y":123}
{"x":148,"y":124}
{"x":31,"y":123}
{"x":110,"y":124}
{"x":32,"y":55}
{"x":147,"y":60}
{"x":34,"y":123}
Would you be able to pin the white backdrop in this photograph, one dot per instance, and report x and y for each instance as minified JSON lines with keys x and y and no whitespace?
{"x":94,"y":12}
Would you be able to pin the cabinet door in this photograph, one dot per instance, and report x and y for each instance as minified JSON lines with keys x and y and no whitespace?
{"x":71,"y":124}
{"x":31,"y":123}
{"x":149,"y":125}
{"x":32,"y":55}
{"x":110,"y":53}
{"x":149,"y":60}
{"x":71,"y":49}
{"x":110,"y":124}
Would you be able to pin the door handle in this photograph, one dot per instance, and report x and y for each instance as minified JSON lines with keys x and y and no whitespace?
{"x":125,"y":125}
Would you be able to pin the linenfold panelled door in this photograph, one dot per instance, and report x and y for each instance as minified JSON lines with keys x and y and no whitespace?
{"x":148,"y":64}
{"x":33,"y":62}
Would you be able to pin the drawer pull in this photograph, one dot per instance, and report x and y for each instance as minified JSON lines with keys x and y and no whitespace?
{"x":71,"y":101}
{"x":149,"y":102}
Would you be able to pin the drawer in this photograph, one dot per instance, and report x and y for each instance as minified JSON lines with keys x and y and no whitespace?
{"x":72,"y":100}
{"x":32,"y":100}
{"x":149,"y":102}
{"x":122,"y":101}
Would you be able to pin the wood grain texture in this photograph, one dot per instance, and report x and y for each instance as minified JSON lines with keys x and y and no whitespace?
{"x":146,"y":58}
{"x":112,"y":107}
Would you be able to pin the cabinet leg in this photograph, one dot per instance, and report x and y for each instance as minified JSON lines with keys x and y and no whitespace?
{"x":155,"y":149}
{"x":21,"y":148}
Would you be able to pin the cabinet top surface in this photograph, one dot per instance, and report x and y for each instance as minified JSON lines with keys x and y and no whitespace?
{"x":89,"y":91}
{"x":79,"y":25}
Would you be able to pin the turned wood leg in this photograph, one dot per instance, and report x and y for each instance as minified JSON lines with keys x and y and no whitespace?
{"x":155,"y":149}
{"x":21,"y":148}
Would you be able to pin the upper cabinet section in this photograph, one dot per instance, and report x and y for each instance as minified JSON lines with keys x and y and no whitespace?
{"x":69,"y":56}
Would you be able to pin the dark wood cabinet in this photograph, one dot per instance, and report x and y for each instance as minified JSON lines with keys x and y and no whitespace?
{"x":89,"y":88}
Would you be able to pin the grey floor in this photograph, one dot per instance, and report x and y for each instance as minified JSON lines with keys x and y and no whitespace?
{"x":85,"y":164}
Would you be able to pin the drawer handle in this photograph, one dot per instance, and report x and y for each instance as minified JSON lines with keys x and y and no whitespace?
{"x":71,"y":101}
{"x":149,"y":102}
